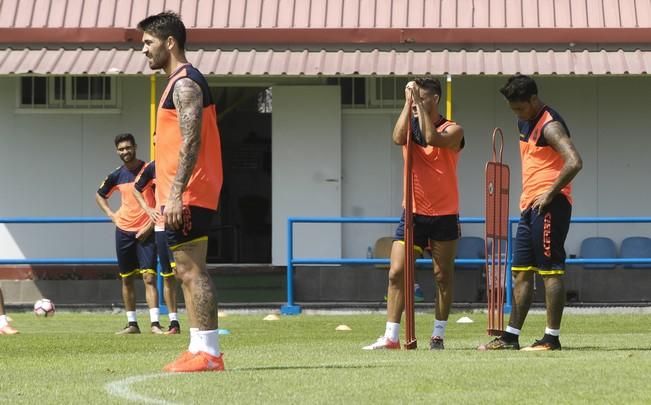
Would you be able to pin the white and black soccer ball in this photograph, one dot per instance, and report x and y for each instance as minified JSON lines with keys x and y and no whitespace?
{"x":44,"y":307}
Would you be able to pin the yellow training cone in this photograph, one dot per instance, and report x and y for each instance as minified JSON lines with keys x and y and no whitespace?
{"x":343,"y":327}
{"x":271,"y":317}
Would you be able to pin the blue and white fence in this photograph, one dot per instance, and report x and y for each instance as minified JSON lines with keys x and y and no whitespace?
{"x":71,"y":260}
{"x":290,"y":307}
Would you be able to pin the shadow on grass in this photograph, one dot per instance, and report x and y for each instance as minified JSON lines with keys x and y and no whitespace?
{"x":322,"y":366}
{"x":608,"y":349}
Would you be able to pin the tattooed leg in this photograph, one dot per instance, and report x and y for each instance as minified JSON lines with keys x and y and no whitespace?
{"x":198,"y":288}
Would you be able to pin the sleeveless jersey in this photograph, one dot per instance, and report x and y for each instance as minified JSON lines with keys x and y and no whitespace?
{"x":435,"y":186}
{"x":541,"y":164}
{"x":205,"y":183}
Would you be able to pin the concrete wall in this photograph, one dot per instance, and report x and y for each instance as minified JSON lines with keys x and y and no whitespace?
{"x":609,"y":123}
{"x":51,"y":164}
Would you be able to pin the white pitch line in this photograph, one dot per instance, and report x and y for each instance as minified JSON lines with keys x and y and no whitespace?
{"x":121,"y":388}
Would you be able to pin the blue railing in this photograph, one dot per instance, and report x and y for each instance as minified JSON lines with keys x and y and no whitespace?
{"x":71,"y":260}
{"x":290,"y":308}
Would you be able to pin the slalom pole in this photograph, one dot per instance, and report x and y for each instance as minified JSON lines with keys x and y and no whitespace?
{"x":408,"y":287}
{"x":496,"y":236}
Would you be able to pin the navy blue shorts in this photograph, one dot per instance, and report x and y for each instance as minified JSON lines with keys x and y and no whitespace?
{"x":134,"y":256}
{"x":197,"y":222}
{"x":438,"y":228}
{"x":165,"y":258}
{"x":540,"y":239}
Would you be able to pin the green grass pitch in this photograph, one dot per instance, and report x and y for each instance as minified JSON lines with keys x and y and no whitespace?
{"x":75,"y":358}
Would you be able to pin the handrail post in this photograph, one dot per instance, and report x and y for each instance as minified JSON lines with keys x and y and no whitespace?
{"x":289,"y":308}
{"x":509,"y":262}
{"x":162,"y":307}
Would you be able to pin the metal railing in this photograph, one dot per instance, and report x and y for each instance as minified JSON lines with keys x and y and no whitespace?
{"x":71,"y":260}
{"x":290,"y":308}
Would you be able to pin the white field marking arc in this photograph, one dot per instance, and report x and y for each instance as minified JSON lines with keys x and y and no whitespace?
{"x":121,"y":388}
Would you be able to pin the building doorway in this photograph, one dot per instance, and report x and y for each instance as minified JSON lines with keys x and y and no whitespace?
{"x":242,"y":228}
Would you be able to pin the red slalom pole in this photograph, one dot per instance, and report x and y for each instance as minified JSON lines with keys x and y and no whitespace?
{"x":497,"y":222}
{"x":408,"y":287}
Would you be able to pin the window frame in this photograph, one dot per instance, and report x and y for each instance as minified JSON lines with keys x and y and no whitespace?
{"x":67,"y":104}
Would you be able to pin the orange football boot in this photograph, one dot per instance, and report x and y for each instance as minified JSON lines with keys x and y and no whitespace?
{"x":185,"y":356}
{"x":201,"y":361}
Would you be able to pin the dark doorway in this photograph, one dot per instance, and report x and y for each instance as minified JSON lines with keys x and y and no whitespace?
{"x":242,"y":229}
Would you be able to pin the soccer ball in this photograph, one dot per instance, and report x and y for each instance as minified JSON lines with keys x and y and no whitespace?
{"x":44,"y":307}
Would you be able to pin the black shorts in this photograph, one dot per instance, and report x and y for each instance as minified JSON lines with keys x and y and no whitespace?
{"x":165,"y":258}
{"x":438,"y":228}
{"x":134,"y":256}
{"x":540,"y":239}
{"x":197,"y":222}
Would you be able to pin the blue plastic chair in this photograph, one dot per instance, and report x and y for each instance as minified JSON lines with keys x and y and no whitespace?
{"x":598,"y":247}
{"x":636,"y":247}
{"x":470,"y":247}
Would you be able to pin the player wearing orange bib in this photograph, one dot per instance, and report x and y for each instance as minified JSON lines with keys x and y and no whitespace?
{"x":549,"y":163}
{"x":146,"y":180}
{"x":188,"y":182}
{"x":437,"y":144}
{"x":134,"y":242}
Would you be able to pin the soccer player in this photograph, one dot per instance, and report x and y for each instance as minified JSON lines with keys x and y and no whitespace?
{"x":549,"y":163}
{"x":5,"y":328}
{"x":146,"y":180}
{"x":188,"y":182}
{"x":134,"y":241}
{"x":437,"y":144}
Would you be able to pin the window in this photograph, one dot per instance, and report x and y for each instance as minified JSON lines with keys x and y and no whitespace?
{"x":68,"y":93}
{"x":353,"y":90}
{"x":371,"y":92}
{"x":388,"y":91}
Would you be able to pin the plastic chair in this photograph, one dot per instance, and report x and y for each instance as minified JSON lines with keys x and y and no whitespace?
{"x":470,"y":247}
{"x":598,"y":247}
{"x":636,"y":247}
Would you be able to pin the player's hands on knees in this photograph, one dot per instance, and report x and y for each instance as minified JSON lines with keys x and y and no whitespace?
{"x":173,"y":213}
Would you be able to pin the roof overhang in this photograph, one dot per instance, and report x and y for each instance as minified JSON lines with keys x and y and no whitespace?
{"x":370,"y":62}
{"x":311,"y":36}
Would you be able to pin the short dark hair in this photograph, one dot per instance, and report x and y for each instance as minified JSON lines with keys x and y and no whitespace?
{"x":519,"y":88}
{"x":431,"y":85}
{"x":124,"y":138}
{"x":164,"y":25}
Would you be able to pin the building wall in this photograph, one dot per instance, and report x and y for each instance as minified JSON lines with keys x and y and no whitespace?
{"x":609,"y":123}
{"x":51,"y":164}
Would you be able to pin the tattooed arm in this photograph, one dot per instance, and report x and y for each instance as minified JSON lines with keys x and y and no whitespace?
{"x":188,"y":100}
{"x":557,"y":138}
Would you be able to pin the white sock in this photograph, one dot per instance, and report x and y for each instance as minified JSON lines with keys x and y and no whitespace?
{"x":154,"y":315}
{"x":439,"y":328}
{"x":192,"y":348}
{"x":131,"y":316}
{"x":513,"y":330}
{"x":173,"y":316}
{"x":553,"y":332}
{"x":392,"y":331}
{"x":208,"y":341}
{"x":3,"y":321}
